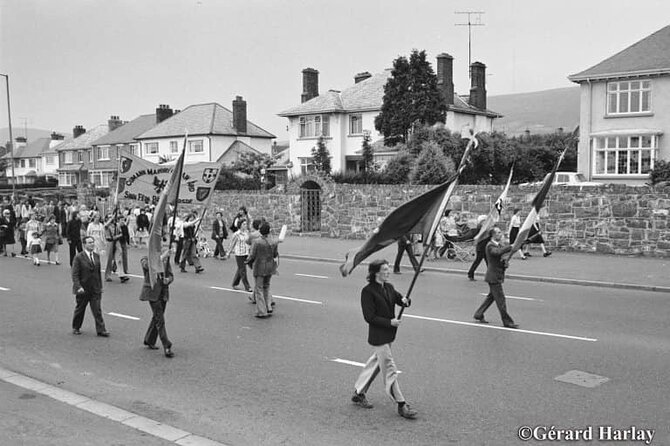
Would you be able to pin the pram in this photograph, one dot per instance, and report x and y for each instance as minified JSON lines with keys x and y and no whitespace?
{"x":204,"y":250}
{"x":461,"y":247}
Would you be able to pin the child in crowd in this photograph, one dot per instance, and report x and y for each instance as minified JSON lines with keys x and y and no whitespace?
{"x":35,"y":247}
{"x":22,"y":237}
{"x":51,"y":238}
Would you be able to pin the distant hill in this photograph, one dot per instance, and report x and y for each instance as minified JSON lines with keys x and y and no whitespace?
{"x":33,"y":134}
{"x":538,"y":111}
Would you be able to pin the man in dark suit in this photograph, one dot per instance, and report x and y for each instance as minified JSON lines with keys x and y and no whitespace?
{"x":219,"y":234}
{"x":378,"y":301}
{"x":495,"y":276}
{"x":158,"y":297}
{"x":87,"y":288}
{"x":73,"y":235}
{"x":405,"y":244}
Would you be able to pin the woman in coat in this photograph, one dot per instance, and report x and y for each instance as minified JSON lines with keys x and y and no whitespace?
{"x":262,"y":261}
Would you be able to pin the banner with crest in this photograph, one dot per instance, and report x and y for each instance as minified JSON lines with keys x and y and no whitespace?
{"x":144,"y":181}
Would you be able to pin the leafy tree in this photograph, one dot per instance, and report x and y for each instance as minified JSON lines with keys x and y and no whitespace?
{"x":660,"y":173}
{"x":411,"y":98}
{"x":368,"y":154}
{"x":251,"y":163}
{"x":398,"y":168}
{"x":432,"y":167}
{"x":321,"y":157}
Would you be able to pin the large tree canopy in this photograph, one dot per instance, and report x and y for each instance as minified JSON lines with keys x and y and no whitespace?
{"x":411,"y":97}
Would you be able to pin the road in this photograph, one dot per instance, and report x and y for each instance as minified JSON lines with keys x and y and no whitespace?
{"x":288,"y":379}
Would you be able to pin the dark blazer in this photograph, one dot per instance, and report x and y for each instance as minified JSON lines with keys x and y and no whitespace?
{"x":378,"y":304}
{"x":495,"y":272}
{"x":85,"y":274}
{"x":73,"y":231}
{"x":162,"y":288}
{"x":219,"y":229}
{"x":262,"y":255}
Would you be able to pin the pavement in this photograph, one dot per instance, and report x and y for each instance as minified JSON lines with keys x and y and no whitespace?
{"x":587,"y":269}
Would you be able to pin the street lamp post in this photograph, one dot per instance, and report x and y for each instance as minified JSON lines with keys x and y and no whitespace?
{"x":11,"y":137}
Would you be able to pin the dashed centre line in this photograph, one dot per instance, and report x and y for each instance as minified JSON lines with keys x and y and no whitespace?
{"x":518,"y":298}
{"x":124,"y":316}
{"x":4,"y":289}
{"x":276,"y":296}
{"x":311,"y":275}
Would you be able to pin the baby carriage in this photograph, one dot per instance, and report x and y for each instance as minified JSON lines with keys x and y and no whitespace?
{"x":204,"y":250}
{"x":461,"y":247}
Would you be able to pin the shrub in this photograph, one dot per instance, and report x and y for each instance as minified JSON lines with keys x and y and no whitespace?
{"x":660,"y":172}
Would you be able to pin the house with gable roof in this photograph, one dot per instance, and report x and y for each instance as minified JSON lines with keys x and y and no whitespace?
{"x":342,"y":118}
{"x":33,"y":160}
{"x":215,"y":133}
{"x":625,"y":112}
{"x":75,"y":155}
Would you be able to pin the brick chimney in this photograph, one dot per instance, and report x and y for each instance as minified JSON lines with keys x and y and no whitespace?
{"x":478,"y":88}
{"x":163,"y":112}
{"x":21,"y":141}
{"x":310,"y":84}
{"x":77,"y":131}
{"x":240,"y":115}
{"x":360,"y":77}
{"x":56,"y":136}
{"x":445,"y":77}
{"x":114,"y":123}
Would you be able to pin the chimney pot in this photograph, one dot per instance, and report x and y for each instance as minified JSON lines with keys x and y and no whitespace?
{"x":163,"y":112}
{"x":78,"y":130}
{"x":310,"y":84}
{"x":240,"y":115}
{"x":360,"y":77}
{"x":445,"y":77}
{"x":478,"y":85}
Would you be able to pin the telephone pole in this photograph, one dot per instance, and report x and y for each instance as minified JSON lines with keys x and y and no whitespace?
{"x":478,"y":22}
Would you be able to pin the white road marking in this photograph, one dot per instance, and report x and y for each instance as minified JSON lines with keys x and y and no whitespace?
{"x":4,"y":289}
{"x":354,"y":363}
{"x":276,"y":296}
{"x":124,"y":316}
{"x":477,"y":324}
{"x":311,"y":275}
{"x":517,"y":297}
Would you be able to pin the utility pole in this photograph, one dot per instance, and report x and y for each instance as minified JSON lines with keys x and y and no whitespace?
{"x":470,"y":24}
{"x":11,"y":137}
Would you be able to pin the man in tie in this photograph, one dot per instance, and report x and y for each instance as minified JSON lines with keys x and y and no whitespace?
{"x":87,"y":287}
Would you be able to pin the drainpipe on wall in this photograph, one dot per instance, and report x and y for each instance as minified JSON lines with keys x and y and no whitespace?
{"x":209,"y":138}
{"x":588,"y":141}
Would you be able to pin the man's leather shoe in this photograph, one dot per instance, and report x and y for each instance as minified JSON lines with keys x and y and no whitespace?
{"x":407,"y":412}
{"x":124,"y":279}
{"x":108,"y":279}
{"x":199,"y":270}
{"x":169,"y":353}
{"x":471,"y":279}
{"x":547,"y":254}
{"x":104,"y":334}
{"x":76,"y":331}
{"x":182,"y":270}
{"x":360,"y":400}
{"x":481,"y":320}
{"x":512,"y":326}
{"x":151,"y":346}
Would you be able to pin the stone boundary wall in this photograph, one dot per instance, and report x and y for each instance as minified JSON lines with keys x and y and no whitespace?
{"x":612,"y":219}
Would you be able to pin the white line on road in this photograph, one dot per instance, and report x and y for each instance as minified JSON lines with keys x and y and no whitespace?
{"x":311,"y":275}
{"x":4,"y":289}
{"x":477,"y":324}
{"x":517,"y":297}
{"x":354,"y":363}
{"x":124,"y":316}
{"x":276,"y":296}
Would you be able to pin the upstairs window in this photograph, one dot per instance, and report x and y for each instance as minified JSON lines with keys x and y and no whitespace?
{"x":134,"y":149}
{"x":174,"y":147}
{"x":628,"y":97}
{"x":51,"y":160}
{"x":68,"y":157}
{"x":103,"y":153}
{"x":152,"y":147}
{"x":31,"y":163}
{"x":314,"y":126}
{"x":195,"y":146}
{"x":356,"y":124}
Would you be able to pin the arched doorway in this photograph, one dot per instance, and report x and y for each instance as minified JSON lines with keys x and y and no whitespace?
{"x":310,"y":207}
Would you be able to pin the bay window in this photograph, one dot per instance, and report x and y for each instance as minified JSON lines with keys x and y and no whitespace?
{"x":625,"y":154}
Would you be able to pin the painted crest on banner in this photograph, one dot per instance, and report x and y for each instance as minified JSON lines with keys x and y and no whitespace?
{"x":209,"y":174}
{"x":121,"y":184}
{"x":126,"y":164}
{"x":202,"y":193}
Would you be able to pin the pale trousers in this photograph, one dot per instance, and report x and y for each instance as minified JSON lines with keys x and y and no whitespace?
{"x":381,"y":360}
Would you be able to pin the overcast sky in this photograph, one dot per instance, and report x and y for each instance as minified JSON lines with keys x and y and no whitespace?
{"x":80,"y":61}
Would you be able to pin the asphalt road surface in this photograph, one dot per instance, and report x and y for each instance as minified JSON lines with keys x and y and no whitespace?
{"x":287,"y":380}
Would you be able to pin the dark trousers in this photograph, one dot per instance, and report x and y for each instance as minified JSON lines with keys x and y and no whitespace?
{"x":481,"y":255}
{"x":112,"y":248}
{"x":219,"y":251}
{"x":75,"y":247}
{"x":190,"y":255}
{"x":402,"y":247}
{"x":157,"y":325}
{"x":178,"y":249}
{"x":241,"y":273}
{"x":496,"y":294}
{"x":96,"y":309}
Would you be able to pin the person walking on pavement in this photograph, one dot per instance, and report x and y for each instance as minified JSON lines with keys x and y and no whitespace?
{"x":189,"y":253}
{"x":378,"y":301}
{"x":262,"y":261}
{"x":73,"y":233}
{"x":405,"y":244}
{"x":495,"y":276}
{"x":158,"y":297}
{"x":87,"y":288}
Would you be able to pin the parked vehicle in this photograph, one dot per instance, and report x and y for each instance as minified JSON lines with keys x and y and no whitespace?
{"x":567,"y":179}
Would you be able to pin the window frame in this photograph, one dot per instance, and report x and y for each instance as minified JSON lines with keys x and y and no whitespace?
{"x":174,"y":146}
{"x":631,"y":151}
{"x":356,"y":120}
{"x":618,"y":90}
{"x":313,"y":126}
{"x":149,"y":145}
{"x":68,"y":157}
{"x":192,"y":144}
{"x":103,"y":153}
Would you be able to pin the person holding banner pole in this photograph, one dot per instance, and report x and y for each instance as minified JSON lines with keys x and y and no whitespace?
{"x":190,"y":244}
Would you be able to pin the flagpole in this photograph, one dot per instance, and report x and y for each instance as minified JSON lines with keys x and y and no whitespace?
{"x":416,"y":276}
{"x":176,"y":201}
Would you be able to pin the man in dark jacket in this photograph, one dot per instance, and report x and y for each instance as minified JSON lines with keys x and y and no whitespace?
{"x":378,"y":301}
{"x":73,"y":234}
{"x":405,"y":244}
{"x":480,"y":250}
{"x":158,"y":297}
{"x":87,"y":288}
{"x":495,"y":276}
{"x":219,"y":234}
